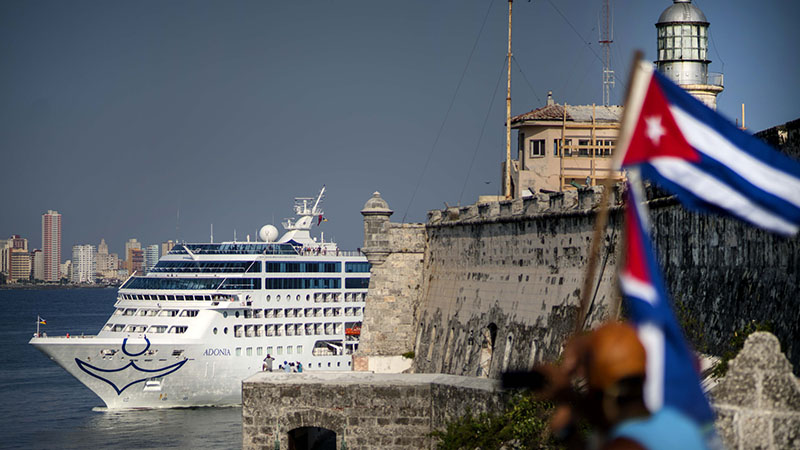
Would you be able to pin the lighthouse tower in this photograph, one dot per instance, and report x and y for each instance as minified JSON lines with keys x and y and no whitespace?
{"x":683,"y":51}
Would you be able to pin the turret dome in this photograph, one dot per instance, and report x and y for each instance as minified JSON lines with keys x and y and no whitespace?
{"x":376,"y":205}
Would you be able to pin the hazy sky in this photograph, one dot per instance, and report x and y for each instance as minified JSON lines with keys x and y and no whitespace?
{"x":119,"y":114}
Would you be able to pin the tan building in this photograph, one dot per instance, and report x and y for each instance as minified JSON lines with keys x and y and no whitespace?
{"x":19,"y":267}
{"x":107,"y":263}
{"x":563,"y":147}
{"x":167,"y":246}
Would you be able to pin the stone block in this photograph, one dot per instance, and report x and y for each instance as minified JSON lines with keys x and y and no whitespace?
{"x":726,"y":427}
{"x":736,"y":389}
{"x":786,"y":431}
{"x":755,"y":431}
{"x":781,"y":392}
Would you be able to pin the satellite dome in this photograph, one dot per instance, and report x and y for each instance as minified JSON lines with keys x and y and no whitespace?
{"x":268,"y":233}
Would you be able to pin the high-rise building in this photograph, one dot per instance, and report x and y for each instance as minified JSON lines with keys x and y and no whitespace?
{"x":107,"y":263}
{"x":11,"y":264}
{"x":51,"y":245}
{"x":167,"y":246}
{"x":83,"y":264}
{"x":37,"y":261}
{"x":151,"y":255}
{"x":135,"y":260}
{"x":19,"y":265}
{"x":131,"y":245}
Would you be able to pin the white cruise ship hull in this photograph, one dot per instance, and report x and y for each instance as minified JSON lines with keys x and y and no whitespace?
{"x":201,"y":375}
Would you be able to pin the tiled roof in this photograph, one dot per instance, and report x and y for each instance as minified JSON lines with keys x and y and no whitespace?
{"x":575,"y":113}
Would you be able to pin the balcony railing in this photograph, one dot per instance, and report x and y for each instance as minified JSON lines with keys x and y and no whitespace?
{"x":715,"y":79}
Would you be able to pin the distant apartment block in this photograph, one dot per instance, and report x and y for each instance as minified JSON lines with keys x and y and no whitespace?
{"x":131,"y":245}
{"x":151,"y":255}
{"x":135,"y":260}
{"x":12,"y":259}
{"x":83,"y":264}
{"x":167,"y":246}
{"x":19,"y":265}
{"x":37,"y":262}
{"x":51,"y":245}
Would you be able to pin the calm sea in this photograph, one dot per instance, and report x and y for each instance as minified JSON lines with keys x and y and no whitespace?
{"x":44,"y":407}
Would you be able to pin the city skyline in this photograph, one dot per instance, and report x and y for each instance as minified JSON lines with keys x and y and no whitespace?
{"x":159,"y":120}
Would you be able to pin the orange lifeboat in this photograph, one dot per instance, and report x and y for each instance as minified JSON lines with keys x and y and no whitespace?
{"x":355,"y":331}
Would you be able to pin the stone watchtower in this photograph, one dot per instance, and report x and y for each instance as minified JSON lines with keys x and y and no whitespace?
{"x":395,"y":253}
{"x":376,"y":214}
{"x":683,"y":51}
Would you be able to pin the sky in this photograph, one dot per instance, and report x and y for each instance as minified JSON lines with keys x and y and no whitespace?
{"x":154,"y":120}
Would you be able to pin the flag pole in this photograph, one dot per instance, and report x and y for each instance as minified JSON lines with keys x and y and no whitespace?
{"x":38,"y":321}
{"x":601,"y":220}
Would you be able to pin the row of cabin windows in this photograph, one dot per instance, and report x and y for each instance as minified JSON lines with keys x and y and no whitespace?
{"x":255,"y":267}
{"x":321,"y":297}
{"x":278,"y":313}
{"x":318,"y":297}
{"x":149,"y":312}
{"x":291,"y":329}
{"x":138,"y":328}
{"x":242,"y":283}
{"x":297,"y":350}
{"x":600,"y":148}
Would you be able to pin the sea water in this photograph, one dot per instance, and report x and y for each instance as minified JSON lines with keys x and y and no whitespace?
{"x":45,"y":407}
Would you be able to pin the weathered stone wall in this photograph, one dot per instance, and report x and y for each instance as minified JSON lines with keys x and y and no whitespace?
{"x":370,"y":411}
{"x":726,"y":274}
{"x":758,"y":401}
{"x":516,"y":269}
{"x":502,"y":282}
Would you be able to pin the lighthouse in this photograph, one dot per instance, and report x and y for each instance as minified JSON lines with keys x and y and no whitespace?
{"x":683,"y":51}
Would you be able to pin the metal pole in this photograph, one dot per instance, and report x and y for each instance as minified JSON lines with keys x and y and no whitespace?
{"x":508,"y":110}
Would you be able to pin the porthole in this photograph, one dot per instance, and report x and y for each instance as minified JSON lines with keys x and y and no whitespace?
{"x":225,"y":330}
{"x":339,"y":364}
{"x":297,"y":298}
{"x":278,"y":298}
{"x":225,"y":314}
{"x":215,"y":330}
{"x":267,"y":297}
{"x":236,"y":314}
{"x":308,"y":297}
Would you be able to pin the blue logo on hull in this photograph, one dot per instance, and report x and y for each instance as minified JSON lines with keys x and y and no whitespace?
{"x":135,"y":370}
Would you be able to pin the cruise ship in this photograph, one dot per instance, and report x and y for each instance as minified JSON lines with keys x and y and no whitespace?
{"x":207,"y":315}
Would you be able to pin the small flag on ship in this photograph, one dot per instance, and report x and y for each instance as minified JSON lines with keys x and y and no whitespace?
{"x":41,"y":321}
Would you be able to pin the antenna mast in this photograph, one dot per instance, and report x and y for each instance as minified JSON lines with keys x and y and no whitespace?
{"x":508,"y":110}
{"x":606,"y":38}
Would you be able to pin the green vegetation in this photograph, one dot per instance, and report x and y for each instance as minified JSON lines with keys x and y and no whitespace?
{"x":522,"y":425}
{"x":693,"y":329}
{"x":409,"y":355}
{"x":736,"y":344}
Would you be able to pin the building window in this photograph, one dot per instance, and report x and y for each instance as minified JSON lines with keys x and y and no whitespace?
{"x":583,"y":147}
{"x":605,"y":147}
{"x":565,"y":151}
{"x":537,"y":148}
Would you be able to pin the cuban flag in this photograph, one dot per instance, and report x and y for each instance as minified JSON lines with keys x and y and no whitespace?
{"x":672,"y":374}
{"x":711,"y":165}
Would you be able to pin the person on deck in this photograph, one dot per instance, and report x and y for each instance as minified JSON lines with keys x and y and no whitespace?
{"x":268,"y":363}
